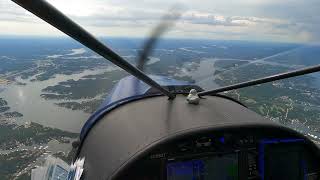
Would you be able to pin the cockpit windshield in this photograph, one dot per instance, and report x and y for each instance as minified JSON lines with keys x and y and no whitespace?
{"x":50,"y":84}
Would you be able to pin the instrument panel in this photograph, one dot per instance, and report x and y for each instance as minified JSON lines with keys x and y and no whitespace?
{"x":229,"y":156}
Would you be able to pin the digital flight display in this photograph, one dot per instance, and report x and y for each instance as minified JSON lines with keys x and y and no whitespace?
{"x":223,"y":167}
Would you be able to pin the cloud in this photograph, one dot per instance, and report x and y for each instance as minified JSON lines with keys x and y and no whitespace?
{"x":285,"y":20}
{"x":209,"y":19}
{"x":220,"y":20}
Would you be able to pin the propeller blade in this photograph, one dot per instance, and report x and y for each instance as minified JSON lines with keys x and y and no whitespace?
{"x":166,"y":22}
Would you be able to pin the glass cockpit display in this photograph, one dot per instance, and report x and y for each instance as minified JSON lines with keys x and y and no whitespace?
{"x":224,"y":167}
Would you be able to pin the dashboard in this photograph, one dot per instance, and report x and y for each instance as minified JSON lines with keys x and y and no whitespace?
{"x":231,"y":155}
{"x":216,"y":139}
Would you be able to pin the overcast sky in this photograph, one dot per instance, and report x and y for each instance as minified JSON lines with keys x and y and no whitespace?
{"x":266,"y":20}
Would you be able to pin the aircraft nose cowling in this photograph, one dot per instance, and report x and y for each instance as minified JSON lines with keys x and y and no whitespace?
{"x":127,"y":89}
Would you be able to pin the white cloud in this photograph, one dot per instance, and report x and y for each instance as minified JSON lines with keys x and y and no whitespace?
{"x":285,"y":20}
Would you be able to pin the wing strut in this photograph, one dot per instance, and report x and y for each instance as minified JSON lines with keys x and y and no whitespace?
{"x":307,"y":70}
{"x":51,"y":15}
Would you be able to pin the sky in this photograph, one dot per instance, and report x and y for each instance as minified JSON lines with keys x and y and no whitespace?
{"x":257,"y":20}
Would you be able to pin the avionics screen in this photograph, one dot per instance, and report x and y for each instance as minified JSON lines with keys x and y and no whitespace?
{"x":223,"y":167}
{"x":283,"y":161}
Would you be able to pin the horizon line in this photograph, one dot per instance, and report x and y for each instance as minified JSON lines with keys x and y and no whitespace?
{"x":142,"y":38}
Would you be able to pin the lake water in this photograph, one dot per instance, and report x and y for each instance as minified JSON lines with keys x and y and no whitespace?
{"x":202,"y":75}
{"x":26,"y":100}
